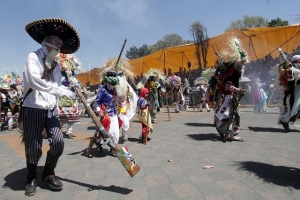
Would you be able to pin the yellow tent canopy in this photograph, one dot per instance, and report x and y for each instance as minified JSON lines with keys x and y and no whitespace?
{"x":257,"y":42}
{"x":93,"y":77}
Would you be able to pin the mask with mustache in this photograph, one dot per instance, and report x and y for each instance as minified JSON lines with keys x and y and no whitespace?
{"x":49,"y":61}
{"x":51,"y":55}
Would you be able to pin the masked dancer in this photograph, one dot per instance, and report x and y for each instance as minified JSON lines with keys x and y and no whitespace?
{"x":68,"y":108}
{"x":154,"y":76}
{"x":42,"y":87}
{"x":228,"y":75}
{"x":175,"y":83}
{"x":289,"y":78}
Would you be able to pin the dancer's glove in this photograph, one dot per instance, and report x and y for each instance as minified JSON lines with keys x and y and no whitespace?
{"x":60,"y":92}
{"x":70,"y":94}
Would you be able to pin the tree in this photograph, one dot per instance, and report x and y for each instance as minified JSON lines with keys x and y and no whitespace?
{"x":248,"y":22}
{"x":277,"y":22}
{"x":199,"y":33}
{"x":144,"y":51}
{"x":153,"y":48}
{"x":132,"y":53}
{"x":169,"y":40}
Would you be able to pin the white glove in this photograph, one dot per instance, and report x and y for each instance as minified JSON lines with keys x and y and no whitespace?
{"x":70,"y":94}
{"x":60,"y":92}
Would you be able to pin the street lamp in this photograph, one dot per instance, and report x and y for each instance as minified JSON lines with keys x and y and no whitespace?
{"x":89,"y":68}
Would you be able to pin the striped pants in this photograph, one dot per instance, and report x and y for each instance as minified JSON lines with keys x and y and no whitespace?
{"x":35,"y":120}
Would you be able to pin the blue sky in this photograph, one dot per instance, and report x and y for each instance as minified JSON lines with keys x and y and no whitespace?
{"x":103,"y":25}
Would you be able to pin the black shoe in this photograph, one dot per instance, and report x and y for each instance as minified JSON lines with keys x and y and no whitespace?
{"x":53,"y":182}
{"x":69,"y":136}
{"x":30,"y":187}
{"x":112,"y":153}
{"x":208,"y":110}
{"x":99,"y":147}
{"x":285,"y":125}
{"x":49,"y":175}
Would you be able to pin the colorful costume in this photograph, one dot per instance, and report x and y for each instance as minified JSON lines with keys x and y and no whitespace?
{"x":175,"y":83}
{"x":116,"y":100}
{"x":202,"y":93}
{"x":105,"y":105}
{"x":186,"y":93}
{"x":68,"y":108}
{"x":259,"y":97}
{"x":154,"y":87}
{"x":289,"y":77}
{"x":228,"y":94}
{"x":11,"y":95}
{"x":143,"y":113}
{"x":42,"y":87}
{"x":126,"y":97}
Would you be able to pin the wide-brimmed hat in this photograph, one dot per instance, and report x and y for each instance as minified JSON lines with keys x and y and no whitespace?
{"x":42,"y":28}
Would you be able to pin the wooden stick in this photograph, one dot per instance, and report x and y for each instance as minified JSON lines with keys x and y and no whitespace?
{"x":122,"y":154}
{"x":147,"y":130}
{"x":169,"y":115}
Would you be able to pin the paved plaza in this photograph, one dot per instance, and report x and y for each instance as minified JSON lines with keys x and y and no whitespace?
{"x":265,"y":166}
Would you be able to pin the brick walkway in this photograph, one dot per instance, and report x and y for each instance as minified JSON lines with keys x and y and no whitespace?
{"x":265,"y":166}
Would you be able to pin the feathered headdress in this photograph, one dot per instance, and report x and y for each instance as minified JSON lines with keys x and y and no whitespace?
{"x":235,"y":51}
{"x":68,"y":62}
{"x":174,"y":80}
{"x":157,"y":73}
{"x":201,"y":81}
{"x":10,"y":79}
{"x":123,"y":66}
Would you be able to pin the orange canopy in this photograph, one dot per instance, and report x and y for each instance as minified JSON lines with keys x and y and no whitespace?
{"x":93,"y":77}
{"x":257,"y":42}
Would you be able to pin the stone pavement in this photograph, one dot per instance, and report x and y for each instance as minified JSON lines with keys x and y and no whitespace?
{"x":265,"y":166}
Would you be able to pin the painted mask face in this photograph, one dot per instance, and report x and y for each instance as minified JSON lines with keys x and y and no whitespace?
{"x":56,"y":41}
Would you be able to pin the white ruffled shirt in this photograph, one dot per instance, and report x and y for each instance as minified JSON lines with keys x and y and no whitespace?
{"x":44,"y":94}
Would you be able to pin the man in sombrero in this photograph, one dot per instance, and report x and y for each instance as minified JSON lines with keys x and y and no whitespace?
{"x":42,"y":87}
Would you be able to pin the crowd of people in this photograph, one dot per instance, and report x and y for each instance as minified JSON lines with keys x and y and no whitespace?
{"x":45,"y":100}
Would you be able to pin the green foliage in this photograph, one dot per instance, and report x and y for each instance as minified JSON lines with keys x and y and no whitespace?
{"x":277,"y":22}
{"x":135,"y":52}
{"x":248,"y":22}
{"x":169,"y":40}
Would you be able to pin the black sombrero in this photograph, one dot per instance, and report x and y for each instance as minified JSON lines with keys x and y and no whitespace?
{"x":39,"y":29}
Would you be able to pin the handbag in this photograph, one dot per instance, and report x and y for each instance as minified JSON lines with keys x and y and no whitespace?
{"x":20,"y":117}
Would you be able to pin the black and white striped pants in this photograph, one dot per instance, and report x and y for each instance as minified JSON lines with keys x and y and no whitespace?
{"x":35,"y":120}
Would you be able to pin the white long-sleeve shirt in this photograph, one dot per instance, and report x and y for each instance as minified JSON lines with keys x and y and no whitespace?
{"x":44,"y":94}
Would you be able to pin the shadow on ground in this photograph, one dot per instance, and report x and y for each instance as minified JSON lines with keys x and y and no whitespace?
{"x":279,"y":175}
{"x":16,"y":181}
{"x":205,"y":136}
{"x":112,"y":188}
{"x":200,"y":124}
{"x":91,"y":128}
{"x":269,"y":129}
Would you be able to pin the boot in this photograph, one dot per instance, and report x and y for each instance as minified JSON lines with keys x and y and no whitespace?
{"x":99,"y":145}
{"x":30,"y":184}
{"x":49,"y":175}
